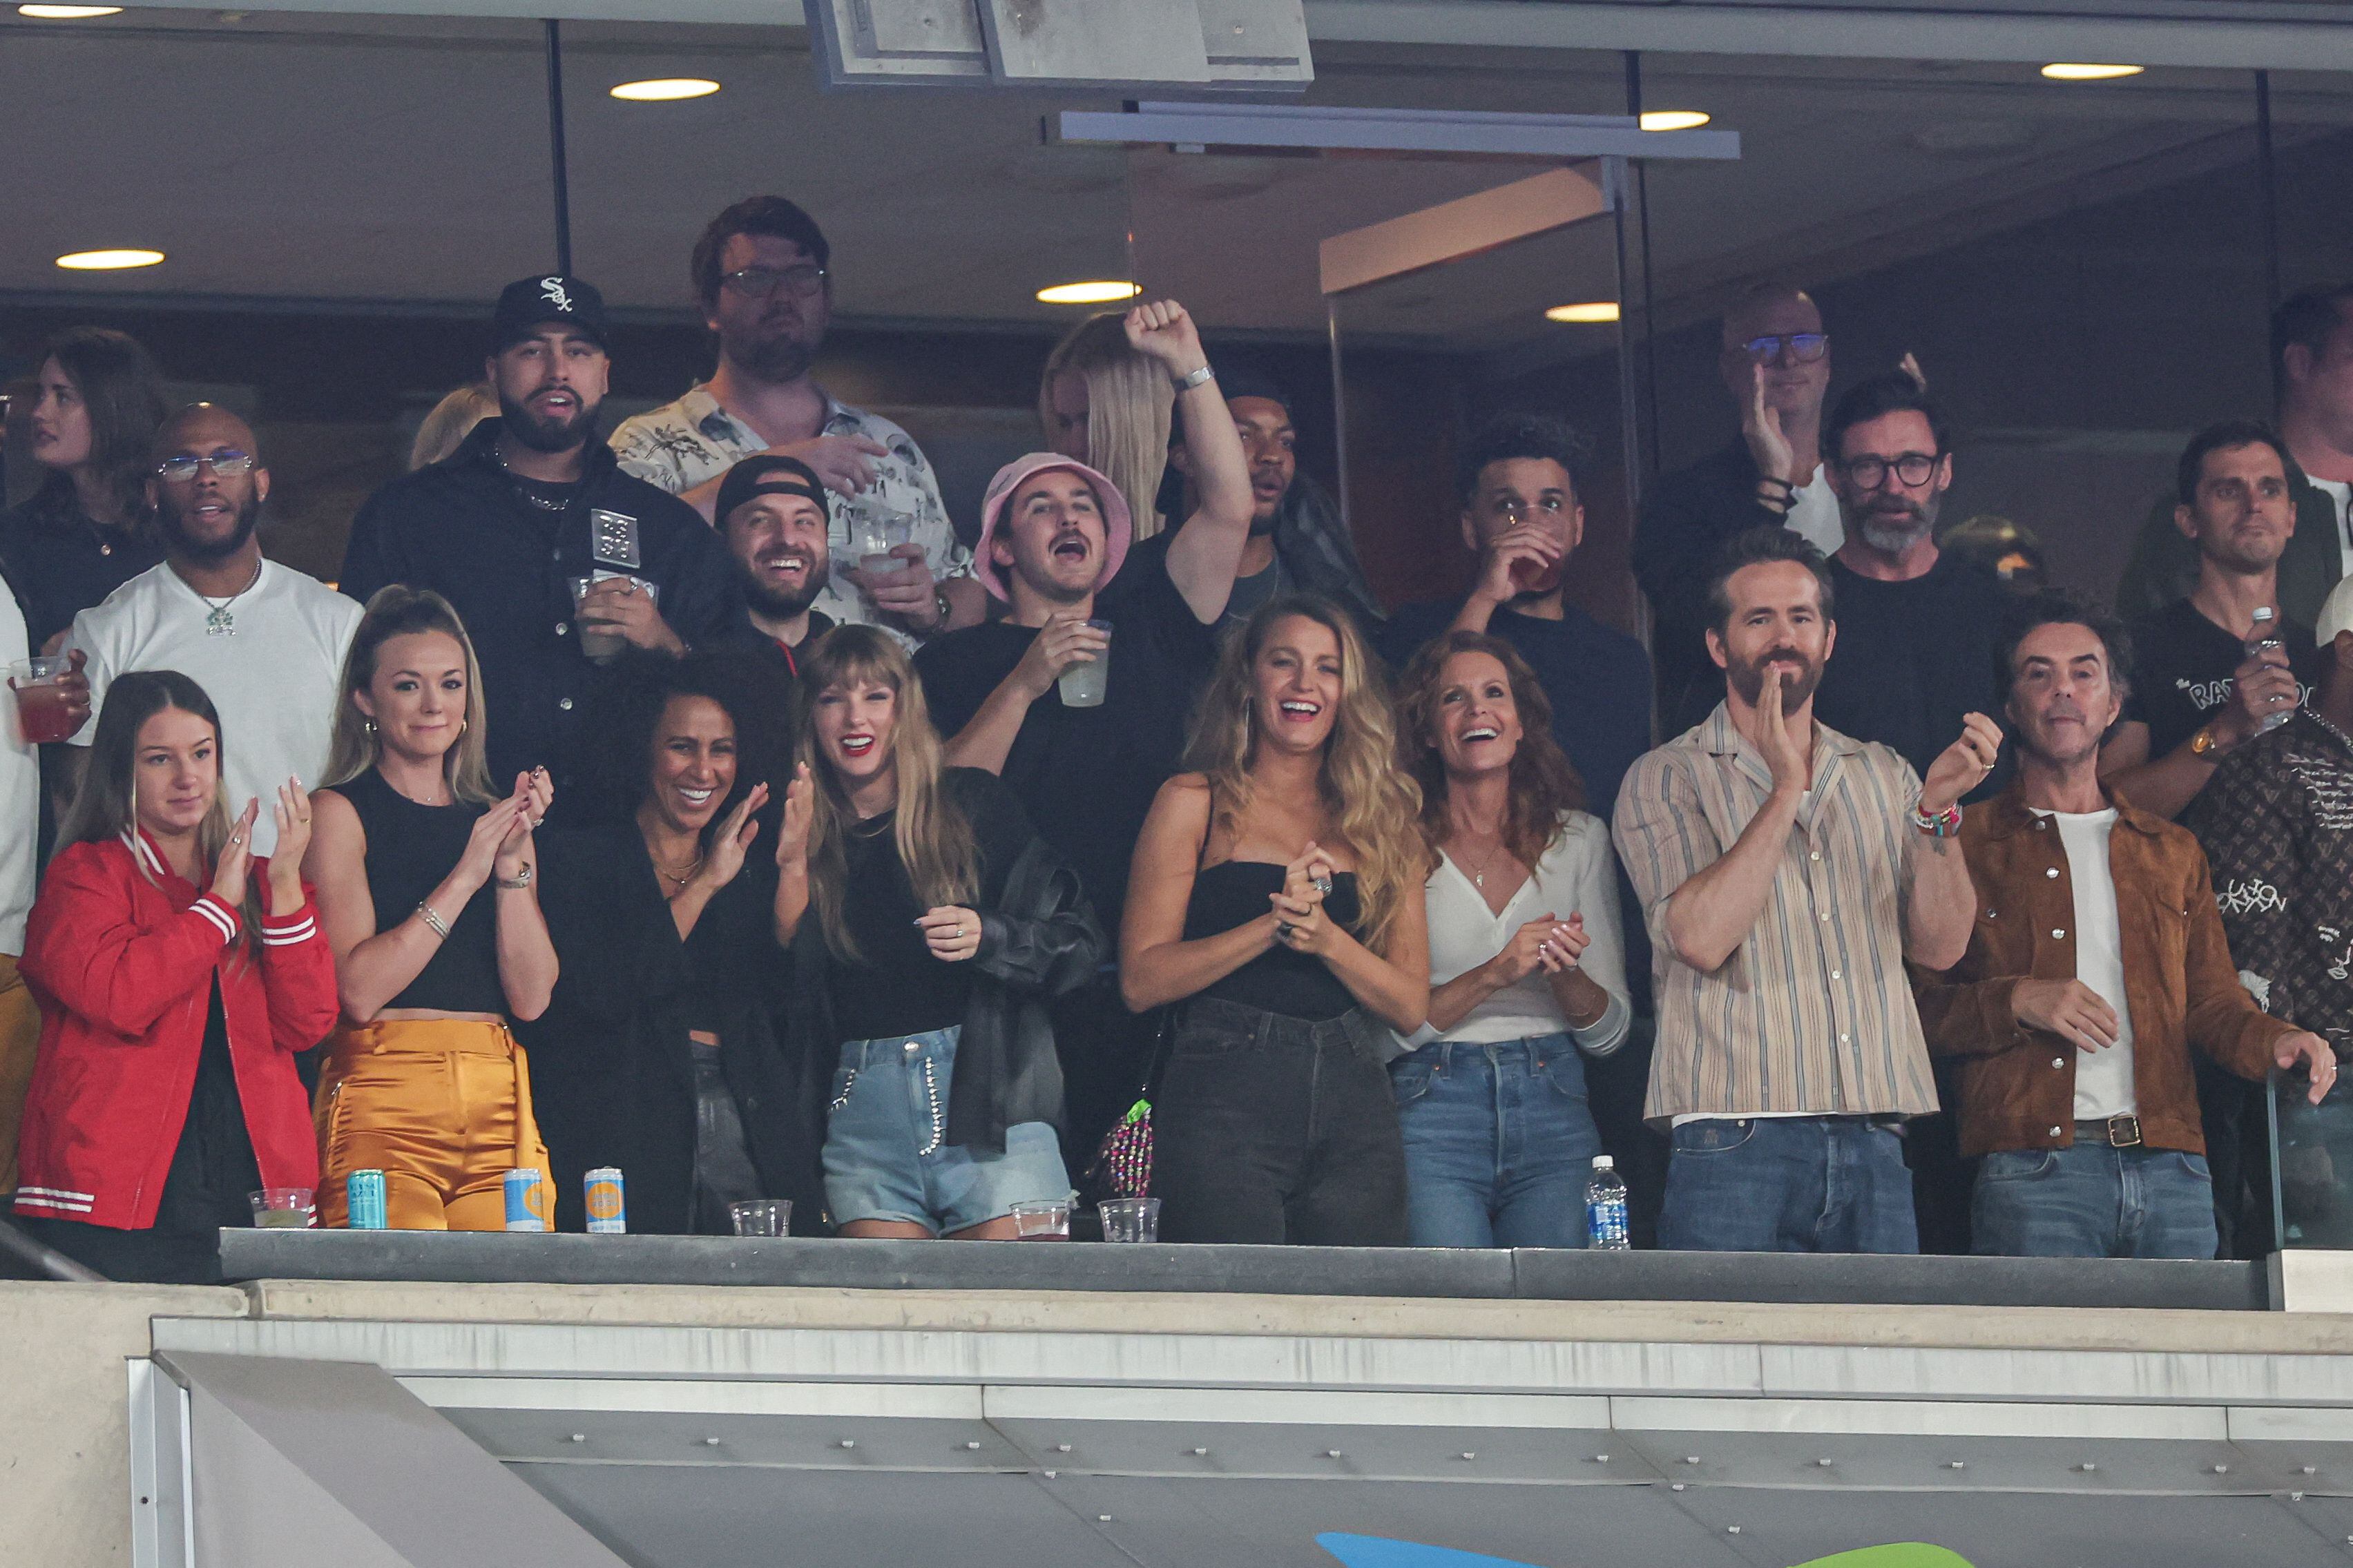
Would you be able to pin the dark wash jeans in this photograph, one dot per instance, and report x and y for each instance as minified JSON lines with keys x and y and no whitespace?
{"x":1796,"y":1184}
{"x":1269,"y":1129}
{"x":2092,"y":1200}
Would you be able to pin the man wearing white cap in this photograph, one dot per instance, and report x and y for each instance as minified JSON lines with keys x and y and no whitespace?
{"x":1053,"y":534}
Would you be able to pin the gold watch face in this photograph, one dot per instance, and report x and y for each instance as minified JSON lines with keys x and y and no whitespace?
{"x":2201,"y":744}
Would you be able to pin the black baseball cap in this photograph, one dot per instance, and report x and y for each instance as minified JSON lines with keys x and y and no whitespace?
{"x":769,"y":473}
{"x":530,"y":302}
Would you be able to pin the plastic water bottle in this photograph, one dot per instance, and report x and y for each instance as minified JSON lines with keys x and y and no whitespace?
{"x":1604,"y":1207}
{"x":2263,"y":636}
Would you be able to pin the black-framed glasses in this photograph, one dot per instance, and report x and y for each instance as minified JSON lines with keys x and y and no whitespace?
{"x":802,"y":282}
{"x":1805,"y":348}
{"x":182,"y":466}
{"x":1912,"y":467}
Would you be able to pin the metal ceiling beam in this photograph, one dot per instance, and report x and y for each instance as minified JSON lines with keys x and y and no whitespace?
{"x":1196,"y":127}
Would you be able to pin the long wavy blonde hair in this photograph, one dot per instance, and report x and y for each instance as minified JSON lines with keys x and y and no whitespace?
{"x":397,"y":610}
{"x":934,"y":839}
{"x":1130,"y":409}
{"x":1375,"y":806}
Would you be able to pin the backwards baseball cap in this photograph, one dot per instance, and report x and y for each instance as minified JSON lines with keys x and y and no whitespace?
{"x":769,"y":473}
{"x":2336,"y":614}
{"x":530,"y":302}
{"x":1119,"y":527}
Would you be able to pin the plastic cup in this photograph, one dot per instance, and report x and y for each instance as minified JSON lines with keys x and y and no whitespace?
{"x":1082,"y":684}
{"x":283,"y":1208}
{"x":1130,"y":1219}
{"x":763,"y":1216}
{"x":599,"y":641}
{"x":1042,"y":1222}
{"x":41,"y":712}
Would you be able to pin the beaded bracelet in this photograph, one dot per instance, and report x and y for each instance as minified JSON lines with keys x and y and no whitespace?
{"x":1944,"y":825}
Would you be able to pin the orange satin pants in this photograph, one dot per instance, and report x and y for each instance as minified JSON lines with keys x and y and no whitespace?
{"x":442,"y":1107}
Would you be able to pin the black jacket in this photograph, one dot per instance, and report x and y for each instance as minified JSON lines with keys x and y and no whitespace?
{"x":611,"y":1072}
{"x":1039,"y":940}
{"x":459,"y":528}
{"x":2164,"y":564}
{"x":1687,"y":517}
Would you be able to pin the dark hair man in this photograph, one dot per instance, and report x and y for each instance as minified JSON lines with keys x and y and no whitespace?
{"x":1917,"y":624}
{"x":2312,"y":380}
{"x":2075,"y":1019}
{"x":773,"y":519}
{"x":1822,"y":863}
{"x":763,"y":278}
{"x":529,"y":504}
{"x":1516,"y":483}
{"x":2195,"y":694}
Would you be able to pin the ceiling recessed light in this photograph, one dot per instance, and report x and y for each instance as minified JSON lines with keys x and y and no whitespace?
{"x":1673,"y":120}
{"x":2066,"y":72}
{"x":68,"y":13}
{"x":108,"y":260}
{"x":666,"y":90}
{"x":1595,"y":310}
{"x":1102,"y":293}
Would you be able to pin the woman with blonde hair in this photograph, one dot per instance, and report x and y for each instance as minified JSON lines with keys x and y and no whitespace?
{"x":1277,"y":895}
{"x":1527,"y":967}
{"x":930,"y":925}
{"x":447,"y":424}
{"x":425,"y":1081}
{"x":1107,"y":402}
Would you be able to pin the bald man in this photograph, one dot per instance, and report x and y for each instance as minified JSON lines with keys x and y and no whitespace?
{"x":265,"y":642}
{"x":1774,"y":361}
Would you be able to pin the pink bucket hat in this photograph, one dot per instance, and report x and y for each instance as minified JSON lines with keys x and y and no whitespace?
{"x":1119,"y":528}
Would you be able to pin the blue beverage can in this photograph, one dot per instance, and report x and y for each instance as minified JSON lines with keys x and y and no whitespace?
{"x":526,"y":1200}
{"x":364,"y":1198}
{"x":608,"y":1204}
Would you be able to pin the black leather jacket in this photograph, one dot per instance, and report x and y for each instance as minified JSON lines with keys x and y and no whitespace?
{"x":1039,"y":940}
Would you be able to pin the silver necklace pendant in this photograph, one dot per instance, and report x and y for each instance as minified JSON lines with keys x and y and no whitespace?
{"x":220,"y":623}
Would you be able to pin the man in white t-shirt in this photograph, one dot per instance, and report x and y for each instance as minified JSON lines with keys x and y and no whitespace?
{"x":265,"y":642}
{"x":2097,"y":962}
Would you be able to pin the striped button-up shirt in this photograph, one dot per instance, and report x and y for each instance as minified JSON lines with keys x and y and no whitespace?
{"x":1812,"y":1013}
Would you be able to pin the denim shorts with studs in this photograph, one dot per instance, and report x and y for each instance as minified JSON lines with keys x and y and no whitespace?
{"x":886,"y":1152}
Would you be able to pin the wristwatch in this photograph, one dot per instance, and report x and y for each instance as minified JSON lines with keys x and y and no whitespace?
{"x":1193,"y":378}
{"x":2206,"y":743}
{"x":522,"y":880}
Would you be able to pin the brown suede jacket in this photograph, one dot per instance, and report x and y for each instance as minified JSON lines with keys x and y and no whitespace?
{"x":2018,"y":1084}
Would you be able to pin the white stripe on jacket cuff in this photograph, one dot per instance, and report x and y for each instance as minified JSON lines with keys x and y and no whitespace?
{"x":301,"y":929}
{"x":224,"y":919}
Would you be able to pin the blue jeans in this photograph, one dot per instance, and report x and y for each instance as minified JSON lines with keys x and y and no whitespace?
{"x":2092,"y":1200}
{"x":1498,"y":1142}
{"x":1797,"y":1183}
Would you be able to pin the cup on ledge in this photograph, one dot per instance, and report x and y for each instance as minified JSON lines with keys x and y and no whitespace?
{"x":763,"y":1216}
{"x":283,"y":1208}
{"x":41,"y":714}
{"x":1082,"y":684}
{"x":1042,"y":1222}
{"x":1130,"y":1219}
{"x":598,"y":640}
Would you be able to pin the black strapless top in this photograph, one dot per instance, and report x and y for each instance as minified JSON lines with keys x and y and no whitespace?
{"x":1293,"y":985}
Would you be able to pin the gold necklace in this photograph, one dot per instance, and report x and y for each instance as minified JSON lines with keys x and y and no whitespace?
{"x":1487,"y":864}
{"x":674,"y":877}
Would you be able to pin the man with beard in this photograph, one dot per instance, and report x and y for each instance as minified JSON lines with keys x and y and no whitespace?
{"x":265,"y":641}
{"x":1916,"y":624}
{"x":773,"y":517}
{"x":2196,"y":695}
{"x":2073,"y":1023}
{"x":531,"y":530}
{"x":1054,"y":537}
{"x":1786,"y":873}
{"x":763,"y":280}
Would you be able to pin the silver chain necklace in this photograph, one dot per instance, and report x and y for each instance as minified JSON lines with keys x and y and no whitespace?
{"x":221,"y":622}
{"x":521,"y":490}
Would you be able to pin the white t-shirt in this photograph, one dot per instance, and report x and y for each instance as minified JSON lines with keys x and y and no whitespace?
{"x":1577,"y":875}
{"x":1814,"y":514}
{"x":274,"y":678}
{"x":2340,"y":504}
{"x":2103,"y":1078}
{"x":20,"y":792}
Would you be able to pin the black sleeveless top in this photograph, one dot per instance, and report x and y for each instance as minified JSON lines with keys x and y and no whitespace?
{"x":1293,"y":984}
{"x":410,"y":848}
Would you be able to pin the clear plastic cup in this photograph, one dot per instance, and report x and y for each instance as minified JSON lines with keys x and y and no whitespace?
{"x":41,"y":712}
{"x":875,"y":531}
{"x":283,"y":1208}
{"x":1130,"y":1219}
{"x":1082,"y":684}
{"x":763,"y":1216}
{"x":1042,"y":1222}
{"x":598,"y":640}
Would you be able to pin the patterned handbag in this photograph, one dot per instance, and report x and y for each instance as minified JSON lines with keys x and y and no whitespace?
{"x":1123,"y":1162}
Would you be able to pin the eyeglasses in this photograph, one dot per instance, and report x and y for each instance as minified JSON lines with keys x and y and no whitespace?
{"x":760,"y":282}
{"x":1912,"y":467}
{"x":1804,"y":348}
{"x":182,"y":466}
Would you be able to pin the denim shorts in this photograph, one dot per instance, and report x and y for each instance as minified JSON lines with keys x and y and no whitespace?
{"x":886,"y":1150}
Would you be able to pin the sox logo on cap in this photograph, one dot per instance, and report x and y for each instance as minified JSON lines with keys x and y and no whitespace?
{"x":556,"y":296}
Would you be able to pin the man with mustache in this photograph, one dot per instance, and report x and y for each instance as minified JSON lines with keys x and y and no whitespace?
{"x":763,"y":279}
{"x":1917,"y":624}
{"x":531,"y":529}
{"x":1786,"y":872}
{"x":774,"y":516}
{"x":265,"y":641}
{"x":2074,"y":1021}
